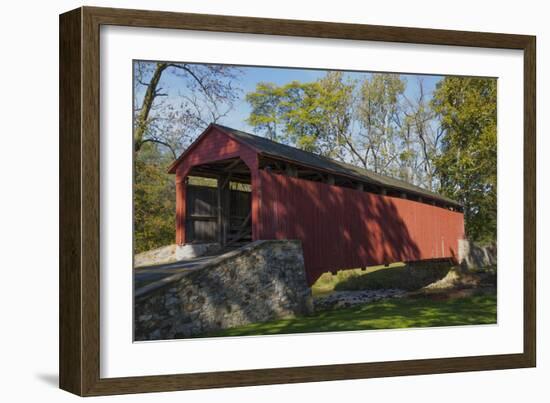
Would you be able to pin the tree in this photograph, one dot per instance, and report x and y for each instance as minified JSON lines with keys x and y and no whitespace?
{"x":379,"y":112}
{"x":154,"y":200}
{"x":467,"y":166}
{"x":422,"y":135}
{"x":266,"y":109}
{"x":208,"y":94}
{"x":314,"y":116}
{"x":164,"y":123}
{"x":369,"y":123}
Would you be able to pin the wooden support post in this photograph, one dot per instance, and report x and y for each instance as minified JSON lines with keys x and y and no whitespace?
{"x":220,"y":209}
{"x":256,"y":194}
{"x":241,"y":230}
{"x":224,"y":200}
{"x":226,"y":210}
{"x":226,"y":180}
{"x":181,"y":184}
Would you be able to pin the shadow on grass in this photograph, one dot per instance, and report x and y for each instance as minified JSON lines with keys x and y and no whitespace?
{"x":405,"y":278}
{"x":389,"y":314}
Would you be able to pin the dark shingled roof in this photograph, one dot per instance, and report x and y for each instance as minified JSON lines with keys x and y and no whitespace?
{"x":277,"y":150}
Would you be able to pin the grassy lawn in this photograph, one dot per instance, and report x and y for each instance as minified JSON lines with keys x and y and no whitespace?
{"x":328,"y":281}
{"x":395,"y":275}
{"x":388,"y":314}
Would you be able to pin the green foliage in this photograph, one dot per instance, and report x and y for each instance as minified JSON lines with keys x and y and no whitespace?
{"x":328,"y":281}
{"x":266,"y":110}
{"x":354,"y":121}
{"x":154,"y":200}
{"x":379,"y":113}
{"x":467,"y":166}
{"x":313,"y":116}
{"x":396,"y":275}
{"x":386,"y":314}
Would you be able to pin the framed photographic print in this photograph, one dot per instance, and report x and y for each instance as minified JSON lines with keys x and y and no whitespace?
{"x":251,"y":201}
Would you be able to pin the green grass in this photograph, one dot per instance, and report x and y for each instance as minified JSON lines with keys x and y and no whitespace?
{"x":328,"y":281}
{"x":387,"y":314}
{"x":395,"y":275}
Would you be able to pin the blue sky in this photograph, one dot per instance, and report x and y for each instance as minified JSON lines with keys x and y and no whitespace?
{"x":281,"y":76}
{"x":251,"y":76}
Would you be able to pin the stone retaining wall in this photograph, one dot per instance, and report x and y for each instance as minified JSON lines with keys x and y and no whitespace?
{"x":264,"y":280}
{"x":472,"y":256}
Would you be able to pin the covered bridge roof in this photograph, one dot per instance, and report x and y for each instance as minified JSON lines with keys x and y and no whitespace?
{"x":276,"y":150}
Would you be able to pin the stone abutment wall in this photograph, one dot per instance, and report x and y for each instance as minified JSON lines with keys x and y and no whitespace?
{"x":263,"y":281}
{"x":472,"y":256}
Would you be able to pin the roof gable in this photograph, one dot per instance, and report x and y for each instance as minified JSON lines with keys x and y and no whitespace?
{"x":211,"y":129}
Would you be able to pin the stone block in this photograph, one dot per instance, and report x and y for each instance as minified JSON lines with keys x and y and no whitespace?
{"x":262,"y":281}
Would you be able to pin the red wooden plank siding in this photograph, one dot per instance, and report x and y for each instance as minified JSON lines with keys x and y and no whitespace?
{"x":341,"y":228}
{"x":180,"y":209}
{"x":214,"y":145}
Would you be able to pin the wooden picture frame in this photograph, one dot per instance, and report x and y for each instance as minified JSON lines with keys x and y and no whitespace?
{"x":79,"y":201}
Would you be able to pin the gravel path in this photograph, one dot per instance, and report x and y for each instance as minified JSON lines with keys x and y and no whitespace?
{"x":345,"y":299}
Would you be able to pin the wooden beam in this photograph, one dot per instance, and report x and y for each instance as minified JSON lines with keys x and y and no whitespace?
{"x":291,"y":171}
{"x":242,"y":230}
{"x":223,"y":206}
{"x":220,"y":222}
{"x":232,"y":165}
{"x":278,"y":166}
{"x":226,"y":208}
{"x":226,"y":180}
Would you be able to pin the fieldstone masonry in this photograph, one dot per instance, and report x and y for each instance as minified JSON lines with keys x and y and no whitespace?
{"x":262,"y":281}
{"x":472,"y":256}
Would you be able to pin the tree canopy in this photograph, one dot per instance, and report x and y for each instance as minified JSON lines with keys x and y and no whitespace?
{"x":208,"y":94}
{"x":370,"y":123}
{"x":313,"y":116}
{"x":165,"y":122}
{"x":442,"y":139}
{"x":467,"y":165}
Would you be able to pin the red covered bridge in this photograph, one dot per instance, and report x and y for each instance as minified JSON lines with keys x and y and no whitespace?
{"x":345,"y":216}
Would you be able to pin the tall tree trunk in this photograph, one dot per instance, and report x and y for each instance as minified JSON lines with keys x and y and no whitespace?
{"x":148,"y":99}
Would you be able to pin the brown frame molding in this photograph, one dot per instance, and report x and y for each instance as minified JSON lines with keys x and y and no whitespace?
{"x":79,"y":200}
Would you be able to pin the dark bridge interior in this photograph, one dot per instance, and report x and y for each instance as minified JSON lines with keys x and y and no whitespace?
{"x":219,"y":203}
